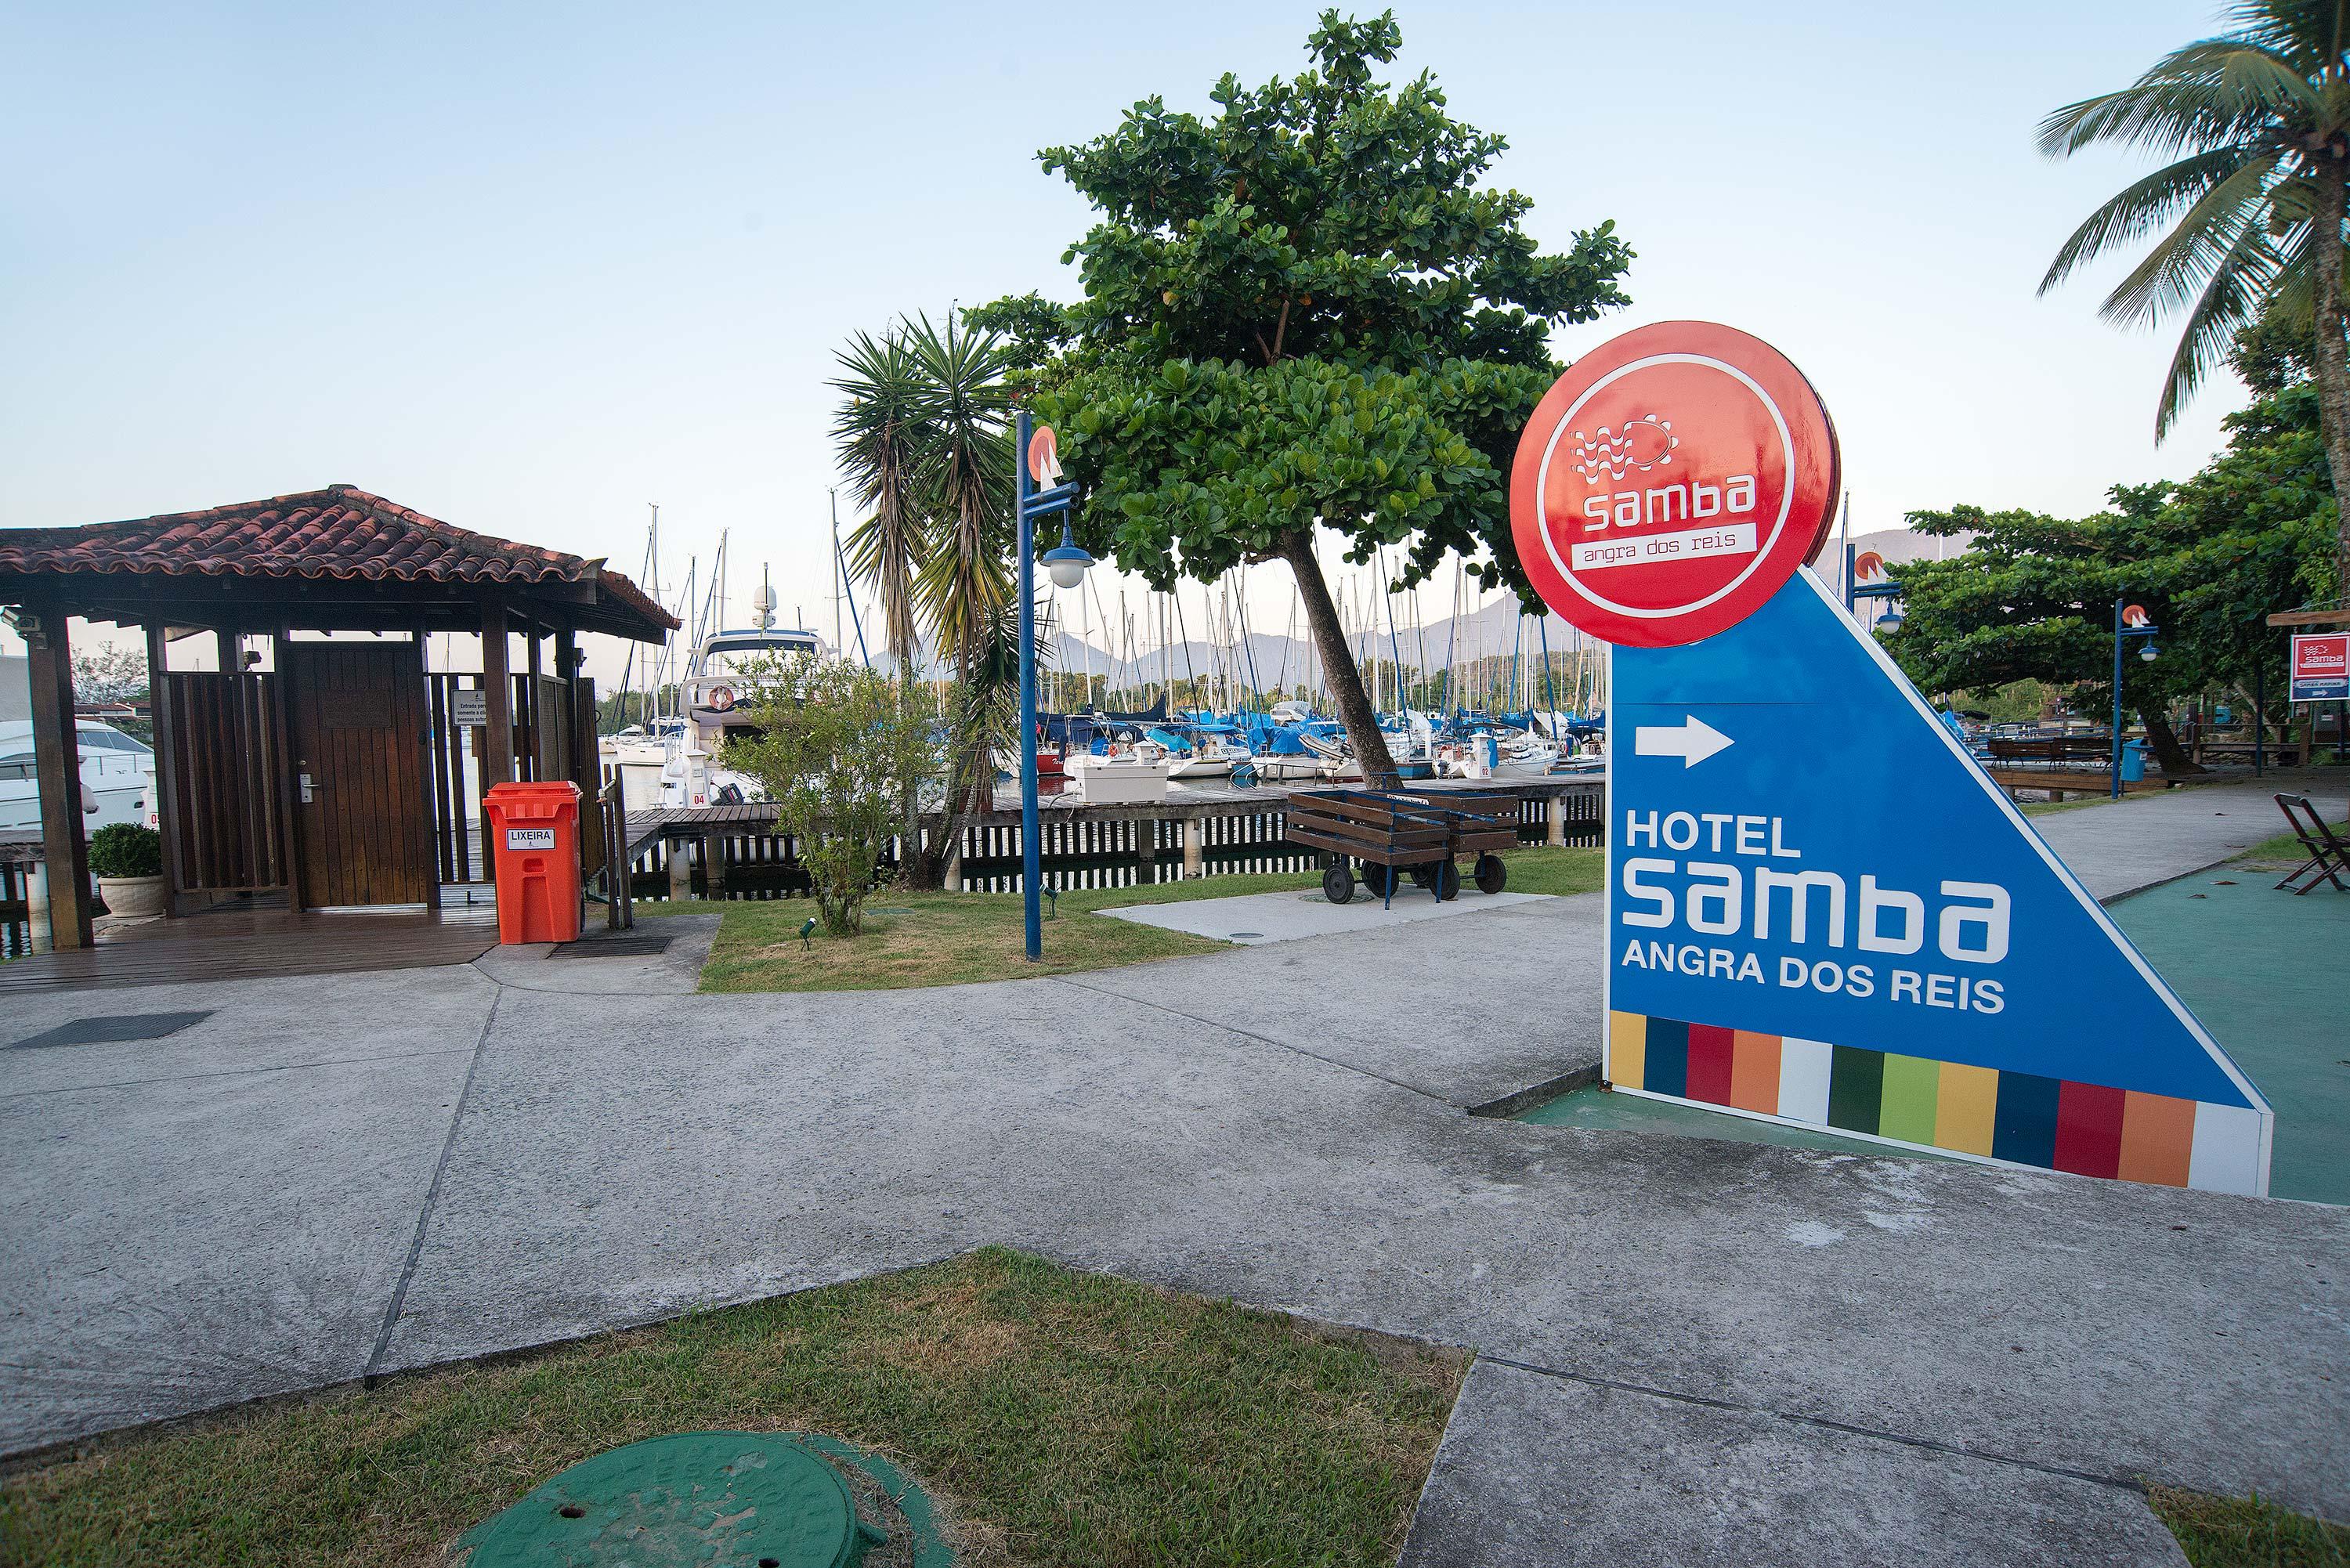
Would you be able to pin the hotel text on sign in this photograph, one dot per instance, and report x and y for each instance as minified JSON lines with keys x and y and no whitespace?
{"x":1671,"y":482}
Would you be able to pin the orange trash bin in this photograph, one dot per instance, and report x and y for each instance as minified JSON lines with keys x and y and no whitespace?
{"x":535,"y":845}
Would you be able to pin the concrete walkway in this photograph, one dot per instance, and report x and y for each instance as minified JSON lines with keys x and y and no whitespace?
{"x":1691,"y":1351}
{"x":1253,"y":917}
{"x":2125,"y":847}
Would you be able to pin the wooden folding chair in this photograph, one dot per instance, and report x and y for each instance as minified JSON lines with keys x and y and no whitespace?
{"x":2329,"y":853}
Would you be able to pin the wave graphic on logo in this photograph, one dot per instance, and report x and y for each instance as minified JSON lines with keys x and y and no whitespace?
{"x":1643,"y":444}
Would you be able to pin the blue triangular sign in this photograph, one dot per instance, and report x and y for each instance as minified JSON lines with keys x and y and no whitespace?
{"x":1822,"y":912}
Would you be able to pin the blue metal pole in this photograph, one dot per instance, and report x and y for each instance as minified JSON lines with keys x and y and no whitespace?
{"x":1550,"y":697}
{"x":2118,"y":699}
{"x":1030,"y":868}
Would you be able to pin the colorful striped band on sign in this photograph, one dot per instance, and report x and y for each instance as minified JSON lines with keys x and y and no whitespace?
{"x":2019,"y":1118}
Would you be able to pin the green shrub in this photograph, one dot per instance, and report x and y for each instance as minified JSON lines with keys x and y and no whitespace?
{"x":125,"y":849}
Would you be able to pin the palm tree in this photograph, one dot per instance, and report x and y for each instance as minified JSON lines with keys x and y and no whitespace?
{"x":967,"y":476}
{"x":2258,"y":122}
{"x":883,"y":433}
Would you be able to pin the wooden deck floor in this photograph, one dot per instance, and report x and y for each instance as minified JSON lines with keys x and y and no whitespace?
{"x":258,"y":942}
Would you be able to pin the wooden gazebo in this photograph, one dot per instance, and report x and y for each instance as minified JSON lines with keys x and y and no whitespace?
{"x":336,"y":777}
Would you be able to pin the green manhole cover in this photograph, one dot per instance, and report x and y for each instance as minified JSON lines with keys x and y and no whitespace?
{"x":720,"y":1499}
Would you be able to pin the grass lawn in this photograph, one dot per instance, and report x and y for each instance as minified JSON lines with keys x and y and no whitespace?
{"x":2285,"y":849}
{"x":953,"y":939}
{"x":2239,"y":1532}
{"x":1059,"y":1418}
{"x":2078,"y":803}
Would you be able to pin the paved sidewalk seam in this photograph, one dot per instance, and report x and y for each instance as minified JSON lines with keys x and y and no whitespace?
{"x":1823,"y":1422}
{"x":432,"y":1196}
{"x":1262,"y":1040}
{"x":230,"y":1073}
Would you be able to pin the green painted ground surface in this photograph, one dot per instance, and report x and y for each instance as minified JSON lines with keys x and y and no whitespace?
{"x":2255,"y":964}
{"x":2263,"y":969}
{"x":1598,"y":1108}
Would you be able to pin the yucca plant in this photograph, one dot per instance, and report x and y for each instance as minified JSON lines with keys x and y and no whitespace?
{"x":2247,"y":219}
{"x":883,"y":434}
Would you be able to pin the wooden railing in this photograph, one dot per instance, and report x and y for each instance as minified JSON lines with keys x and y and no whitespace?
{"x":1078,"y":846}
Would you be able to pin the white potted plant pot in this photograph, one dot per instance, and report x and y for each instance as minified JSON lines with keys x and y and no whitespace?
{"x":127,"y":858}
{"x":131,"y":895}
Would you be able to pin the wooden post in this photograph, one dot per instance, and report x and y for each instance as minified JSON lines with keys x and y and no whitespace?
{"x":681,"y":868}
{"x":533,"y":693}
{"x":1195,"y":832}
{"x":428,"y":834}
{"x":167,"y":761}
{"x":1557,"y":814}
{"x":497,"y":726}
{"x":290,"y":768}
{"x":56,"y":753}
{"x":497,"y":694}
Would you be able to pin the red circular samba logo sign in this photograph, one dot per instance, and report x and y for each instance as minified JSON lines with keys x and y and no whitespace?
{"x":1671,"y":482}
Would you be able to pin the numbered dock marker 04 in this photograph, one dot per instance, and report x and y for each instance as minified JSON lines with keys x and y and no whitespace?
{"x":1821,"y":910}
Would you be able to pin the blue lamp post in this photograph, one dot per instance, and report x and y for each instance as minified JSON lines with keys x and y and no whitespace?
{"x":1888,"y":592}
{"x":2129,"y":620}
{"x":1066,"y":563}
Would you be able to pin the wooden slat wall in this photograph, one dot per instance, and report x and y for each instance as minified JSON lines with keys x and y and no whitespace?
{"x":542,"y":739}
{"x":226,"y":784}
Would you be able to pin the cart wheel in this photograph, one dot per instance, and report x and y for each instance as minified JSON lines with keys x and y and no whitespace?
{"x":1492,"y":874}
{"x":1379,"y":881}
{"x":1338,"y":883}
{"x":1448,"y":881}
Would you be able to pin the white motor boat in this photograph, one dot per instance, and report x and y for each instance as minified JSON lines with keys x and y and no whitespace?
{"x":1209,"y":760}
{"x":712,"y":701}
{"x":635,"y":758}
{"x":117,"y":777}
{"x":1131,"y":778}
{"x":1485,"y":755}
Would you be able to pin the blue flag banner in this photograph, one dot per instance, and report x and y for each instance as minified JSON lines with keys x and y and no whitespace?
{"x":1822,"y":912}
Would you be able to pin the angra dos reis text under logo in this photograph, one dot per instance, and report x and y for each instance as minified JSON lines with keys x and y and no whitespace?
{"x":1670,"y":482}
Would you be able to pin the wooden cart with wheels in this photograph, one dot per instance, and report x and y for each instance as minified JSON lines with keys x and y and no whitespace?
{"x":1392,"y":835}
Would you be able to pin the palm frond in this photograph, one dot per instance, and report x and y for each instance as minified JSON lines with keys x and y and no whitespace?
{"x":2240,"y":281}
{"x":2206,"y":94}
{"x":2184,"y":261}
{"x":2152,"y":202}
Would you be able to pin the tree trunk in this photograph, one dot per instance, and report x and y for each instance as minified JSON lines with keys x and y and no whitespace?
{"x":2333,"y":360}
{"x":2167,"y":752}
{"x":1338,"y":668}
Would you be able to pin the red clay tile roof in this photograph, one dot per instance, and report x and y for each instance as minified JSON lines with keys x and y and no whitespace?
{"x":338,"y":532}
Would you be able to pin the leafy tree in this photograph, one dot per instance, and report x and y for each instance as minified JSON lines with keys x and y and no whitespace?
{"x":109,"y":673}
{"x":2251,"y":211}
{"x":1305,"y":309}
{"x":838,"y":746}
{"x":2032,"y":597}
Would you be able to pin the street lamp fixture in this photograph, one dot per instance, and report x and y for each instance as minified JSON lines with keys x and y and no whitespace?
{"x":1890,"y":620}
{"x":2129,"y":621}
{"x":1067,"y":562}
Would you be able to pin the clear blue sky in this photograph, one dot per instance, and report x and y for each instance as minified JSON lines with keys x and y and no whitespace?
{"x":529,"y":269}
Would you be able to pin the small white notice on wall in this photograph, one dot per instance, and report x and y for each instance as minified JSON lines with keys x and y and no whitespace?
{"x":469,"y":708}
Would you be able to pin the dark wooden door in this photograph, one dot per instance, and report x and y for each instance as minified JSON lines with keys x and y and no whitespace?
{"x":357,"y":716}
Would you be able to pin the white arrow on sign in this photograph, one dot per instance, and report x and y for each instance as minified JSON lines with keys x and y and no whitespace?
{"x":1692,"y":740}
